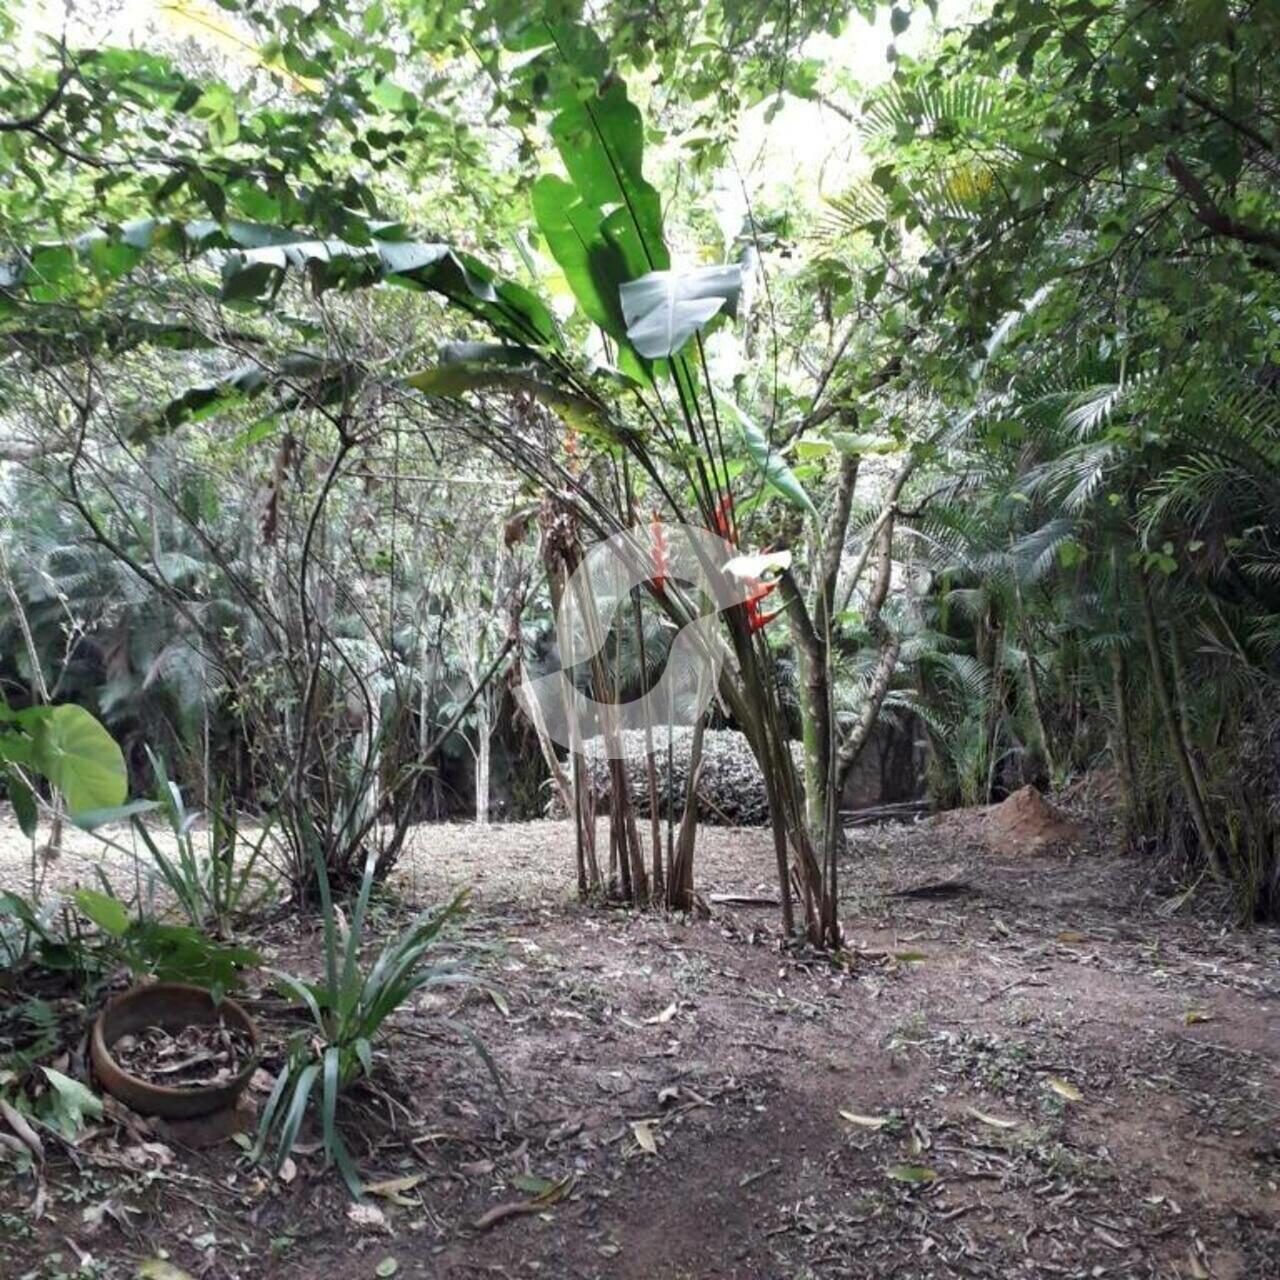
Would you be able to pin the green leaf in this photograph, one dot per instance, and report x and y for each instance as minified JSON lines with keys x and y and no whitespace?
{"x":600,"y":138}
{"x":861,"y":445}
{"x":387,"y":1267}
{"x":532,"y":1183}
{"x":106,"y":912}
{"x":24,"y":804}
{"x":453,"y":380}
{"x":80,"y":758}
{"x":90,"y":819}
{"x":72,"y":1102}
{"x":594,"y":266}
{"x":767,"y":460}
{"x":664,"y":309}
{"x":916,"y":1175}
{"x":305,"y":1080}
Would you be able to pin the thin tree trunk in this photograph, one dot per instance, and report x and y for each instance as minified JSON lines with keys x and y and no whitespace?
{"x":1184,"y":716}
{"x":1033,"y":684}
{"x":556,"y":558}
{"x":624,"y":839}
{"x":559,"y":779}
{"x":650,"y":768}
{"x":890,"y":647}
{"x":40,"y":695}
{"x":483,"y":757}
{"x":1124,"y":740}
{"x":680,"y":886}
{"x":1164,"y":700}
{"x":815,"y":705}
{"x":995,"y":712}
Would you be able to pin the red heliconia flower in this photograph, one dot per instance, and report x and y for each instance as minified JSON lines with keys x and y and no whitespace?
{"x":722,"y":519}
{"x":661,"y":552}
{"x":757,"y":619}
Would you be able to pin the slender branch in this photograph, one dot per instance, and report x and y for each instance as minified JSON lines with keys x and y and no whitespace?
{"x":1218,"y":220}
{"x":1206,"y":104}
{"x":29,"y":124}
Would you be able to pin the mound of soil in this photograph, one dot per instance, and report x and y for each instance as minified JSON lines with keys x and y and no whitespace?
{"x":1024,"y":823}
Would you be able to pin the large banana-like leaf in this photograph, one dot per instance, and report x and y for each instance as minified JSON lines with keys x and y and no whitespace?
{"x":325,"y":381}
{"x":603,"y":225}
{"x":600,"y":138}
{"x":582,"y":414}
{"x":255,"y":258}
{"x":664,"y":309}
{"x":594,"y":267}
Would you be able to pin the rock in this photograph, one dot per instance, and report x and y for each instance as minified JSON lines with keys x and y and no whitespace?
{"x":731,"y":791}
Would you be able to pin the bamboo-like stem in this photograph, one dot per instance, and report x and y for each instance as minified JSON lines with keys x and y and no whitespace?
{"x":1184,"y":716}
{"x":1124,"y":739}
{"x":1033,"y":684}
{"x":1173,"y":732}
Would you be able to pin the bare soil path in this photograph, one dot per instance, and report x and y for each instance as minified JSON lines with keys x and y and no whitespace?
{"x":1038,"y":1074}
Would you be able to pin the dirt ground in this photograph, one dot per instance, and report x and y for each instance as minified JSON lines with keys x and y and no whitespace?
{"x":1040,"y":1071}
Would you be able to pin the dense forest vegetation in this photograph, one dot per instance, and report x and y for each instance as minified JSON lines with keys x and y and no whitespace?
{"x":289,"y":343}
{"x":335,"y":335}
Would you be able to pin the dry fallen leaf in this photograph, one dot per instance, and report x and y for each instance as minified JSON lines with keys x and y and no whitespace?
{"x":500,"y":1212}
{"x":1198,"y":1015}
{"x":145,"y":1154}
{"x":864,"y":1122}
{"x":288,"y":1169}
{"x":393,"y":1189}
{"x":367,"y":1217}
{"x":1198,"y":1270}
{"x":643,"y":1131}
{"x":160,"y":1269}
{"x":1070,"y":935}
{"x":994,"y":1121}
{"x":665,"y":1016}
{"x":1064,"y":1088}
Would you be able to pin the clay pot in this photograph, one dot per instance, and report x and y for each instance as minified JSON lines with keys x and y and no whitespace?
{"x":173,"y":1006}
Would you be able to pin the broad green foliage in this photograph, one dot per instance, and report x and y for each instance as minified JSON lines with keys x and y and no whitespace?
{"x":66,"y":745}
{"x":664,"y":309}
{"x":1054,"y":294}
{"x":348,"y":1010}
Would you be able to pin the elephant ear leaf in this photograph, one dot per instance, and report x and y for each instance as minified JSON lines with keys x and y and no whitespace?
{"x":664,"y":309}
{"x":79,"y":757}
